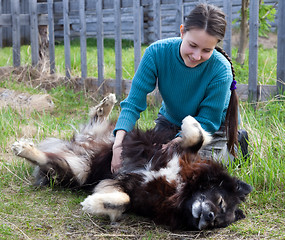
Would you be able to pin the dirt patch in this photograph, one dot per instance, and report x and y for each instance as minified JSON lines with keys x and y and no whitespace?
{"x":25,"y":102}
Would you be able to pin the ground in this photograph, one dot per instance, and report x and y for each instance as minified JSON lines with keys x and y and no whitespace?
{"x":51,"y":213}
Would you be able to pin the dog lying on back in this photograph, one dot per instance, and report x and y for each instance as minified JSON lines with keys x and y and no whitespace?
{"x":166,"y":182}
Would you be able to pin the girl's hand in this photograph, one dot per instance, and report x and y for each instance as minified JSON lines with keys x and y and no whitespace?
{"x":116,"y":163}
{"x":172,"y":142}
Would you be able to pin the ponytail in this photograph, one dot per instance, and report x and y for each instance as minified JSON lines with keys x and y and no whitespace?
{"x":231,"y":121}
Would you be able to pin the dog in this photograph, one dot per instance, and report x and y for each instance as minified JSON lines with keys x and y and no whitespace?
{"x":164,"y":181}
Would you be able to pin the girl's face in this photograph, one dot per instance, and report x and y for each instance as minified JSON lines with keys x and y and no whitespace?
{"x":197,"y":46}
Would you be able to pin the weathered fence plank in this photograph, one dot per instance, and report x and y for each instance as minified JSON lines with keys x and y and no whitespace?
{"x":281,"y":47}
{"x":118,"y":46}
{"x":66,"y":38}
{"x":227,"y":43}
{"x":83,"y":44}
{"x":51,"y":36}
{"x":253,"y":50}
{"x":137,"y":32}
{"x":157,"y":19}
{"x":264,"y":92}
{"x":179,"y":16}
{"x":16,"y":35}
{"x":100,"y":42}
{"x":1,"y":29}
{"x":34,"y":32}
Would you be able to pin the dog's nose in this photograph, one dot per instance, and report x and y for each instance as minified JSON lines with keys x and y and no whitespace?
{"x":210,"y":216}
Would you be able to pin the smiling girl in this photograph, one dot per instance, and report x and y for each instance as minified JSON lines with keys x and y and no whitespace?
{"x":194,"y":77}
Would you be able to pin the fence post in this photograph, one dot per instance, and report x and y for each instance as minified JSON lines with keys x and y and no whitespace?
{"x":281,"y":48}
{"x":34,"y":32}
{"x":66,"y":38}
{"x":227,"y":43}
{"x":253,"y":51}
{"x":16,"y":36}
{"x":100,"y":42}
{"x":1,"y":29}
{"x":118,"y":46}
{"x":157,"y":19}
{"x":83,"y":49}
{"x":51,"y":45}
{"x":179,"y":16}
{"x":137,"y":32}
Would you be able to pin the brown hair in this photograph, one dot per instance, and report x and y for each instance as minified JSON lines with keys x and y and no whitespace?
{"x":207,"y":17}
{"x":231,"y":121}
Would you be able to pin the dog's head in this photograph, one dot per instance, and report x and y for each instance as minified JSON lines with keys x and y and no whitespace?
{"x":217,"y":206}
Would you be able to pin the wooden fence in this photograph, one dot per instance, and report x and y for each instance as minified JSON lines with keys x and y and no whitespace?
{"x":45,"y":14}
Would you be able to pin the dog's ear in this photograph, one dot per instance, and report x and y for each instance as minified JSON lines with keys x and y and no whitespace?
{"x":243,"y":189}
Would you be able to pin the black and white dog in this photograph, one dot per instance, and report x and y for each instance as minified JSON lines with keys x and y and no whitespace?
{"x":168,"y":183}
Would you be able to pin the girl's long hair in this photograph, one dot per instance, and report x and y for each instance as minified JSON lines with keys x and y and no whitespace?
{"x":231,"y":121}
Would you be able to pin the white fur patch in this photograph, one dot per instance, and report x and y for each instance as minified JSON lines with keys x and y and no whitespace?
{"x":78,"y":166}
{"x":53,"y":145}
{"x":96,"y":130}
{"x":170,"y":172}
{"x":192,"y":132}
{"x":196,"y":209}
{"x":106,"y":200}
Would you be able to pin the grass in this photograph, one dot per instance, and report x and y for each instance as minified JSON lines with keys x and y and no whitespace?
{"x":53,"y":213}
{"x":266,"y":65}
{"x":109,"y":58}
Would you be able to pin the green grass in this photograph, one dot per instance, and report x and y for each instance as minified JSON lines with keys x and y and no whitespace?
{"x":109,"y":58}
{"x":266,"y":64}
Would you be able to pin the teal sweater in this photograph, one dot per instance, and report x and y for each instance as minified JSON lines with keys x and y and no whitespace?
{"x":202,"y":92}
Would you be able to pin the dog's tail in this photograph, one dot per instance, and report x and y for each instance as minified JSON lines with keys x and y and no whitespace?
{"x":193,"y":135}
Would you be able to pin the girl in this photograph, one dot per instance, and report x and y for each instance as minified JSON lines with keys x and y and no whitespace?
{"x":194,"y":77}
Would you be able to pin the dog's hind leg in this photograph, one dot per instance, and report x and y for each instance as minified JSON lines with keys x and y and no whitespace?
{"x":108,"y":199}
{"x":26,"y":149}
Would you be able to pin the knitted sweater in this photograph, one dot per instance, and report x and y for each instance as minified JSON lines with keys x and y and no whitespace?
{"x":202,"y":91}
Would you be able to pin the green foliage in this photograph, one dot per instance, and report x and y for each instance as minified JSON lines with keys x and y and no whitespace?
{"x":266,"y":15}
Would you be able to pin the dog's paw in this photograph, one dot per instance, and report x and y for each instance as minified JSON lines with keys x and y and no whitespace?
{"x":106,"y":204}
{"x":21,"y":147}
{"x":103,"y":109}
{"x":193,"y":134}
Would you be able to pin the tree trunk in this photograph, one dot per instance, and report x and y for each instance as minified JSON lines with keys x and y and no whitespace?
{"x":244,"y":30}
{"x":43,"y":42}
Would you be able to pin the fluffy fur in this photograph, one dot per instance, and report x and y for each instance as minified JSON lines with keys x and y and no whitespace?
{"x":167,"y":182}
